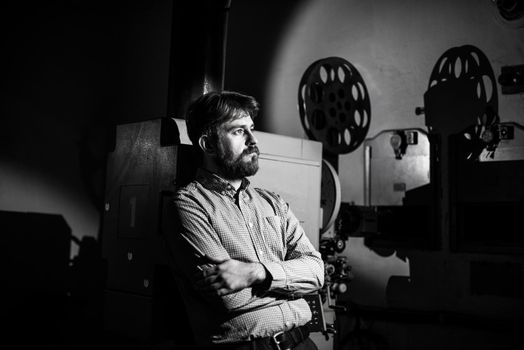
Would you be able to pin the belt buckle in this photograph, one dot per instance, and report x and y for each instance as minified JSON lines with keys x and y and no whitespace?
{"x":277,"y":342}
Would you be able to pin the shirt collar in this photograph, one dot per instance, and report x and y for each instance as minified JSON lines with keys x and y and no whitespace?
{"x":213,"y":182}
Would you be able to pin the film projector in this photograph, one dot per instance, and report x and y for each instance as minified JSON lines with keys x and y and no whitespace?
{"x":481,"y":158}
{"x":399,"y":205}
{"x":466,"y":163}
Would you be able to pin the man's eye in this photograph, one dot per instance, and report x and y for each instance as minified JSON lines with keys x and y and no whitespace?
{"x":239,"y":132}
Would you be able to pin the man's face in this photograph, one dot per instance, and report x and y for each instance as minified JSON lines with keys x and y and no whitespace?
{"x":237,"y":153}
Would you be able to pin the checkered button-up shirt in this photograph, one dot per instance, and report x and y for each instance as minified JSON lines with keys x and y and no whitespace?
{"x":250,"y":225}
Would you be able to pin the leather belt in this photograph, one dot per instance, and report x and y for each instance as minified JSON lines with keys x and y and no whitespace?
{"x":280,"y":341}
{"x":288,"y":340}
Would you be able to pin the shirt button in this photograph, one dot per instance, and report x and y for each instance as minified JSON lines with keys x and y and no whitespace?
{"x":250,"y":224}
{"x":288,"y":324}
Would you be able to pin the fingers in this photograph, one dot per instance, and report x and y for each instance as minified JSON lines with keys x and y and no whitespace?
{"x":223,"y":278}
{"x":213,"y":285}
{"x":209,"y":279}
{"x":205,"y":275}
{"x":211,"y":282}
{"x":207,"y":282}
{"x":209,"y":270}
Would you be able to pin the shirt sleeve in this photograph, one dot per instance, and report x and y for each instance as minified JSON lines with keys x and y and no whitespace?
{"x":195,"y":228}
{"x":194,"y":235}
{"x":302,"y":270}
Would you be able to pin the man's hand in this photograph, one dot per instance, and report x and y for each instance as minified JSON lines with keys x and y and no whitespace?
{"x":228,"y":276}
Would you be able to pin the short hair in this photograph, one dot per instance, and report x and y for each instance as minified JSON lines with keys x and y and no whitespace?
{"x":206,"y":113}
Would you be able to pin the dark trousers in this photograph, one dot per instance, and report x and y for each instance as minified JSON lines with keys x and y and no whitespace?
{"x":307,"y":344}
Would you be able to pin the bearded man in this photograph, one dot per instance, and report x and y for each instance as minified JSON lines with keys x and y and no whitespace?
{"x":244,"y":260}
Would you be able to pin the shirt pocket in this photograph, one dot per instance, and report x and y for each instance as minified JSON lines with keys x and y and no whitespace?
{"x":274,"y":235}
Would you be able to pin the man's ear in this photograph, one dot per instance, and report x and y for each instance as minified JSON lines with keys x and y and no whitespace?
{"x":206,"y":145}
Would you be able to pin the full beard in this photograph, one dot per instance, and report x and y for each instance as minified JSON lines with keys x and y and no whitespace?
{"x":237,"y":167}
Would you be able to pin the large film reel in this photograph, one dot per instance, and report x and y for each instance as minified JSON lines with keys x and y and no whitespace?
{"x":467,"y":70}
{"x":334,"y":105}
{"x":468,"y":63}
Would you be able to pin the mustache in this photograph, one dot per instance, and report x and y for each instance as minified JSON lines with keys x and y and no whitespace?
{"x":250,"y":150}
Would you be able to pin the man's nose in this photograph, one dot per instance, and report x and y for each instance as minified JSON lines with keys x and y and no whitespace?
{"x":251,"y":139}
